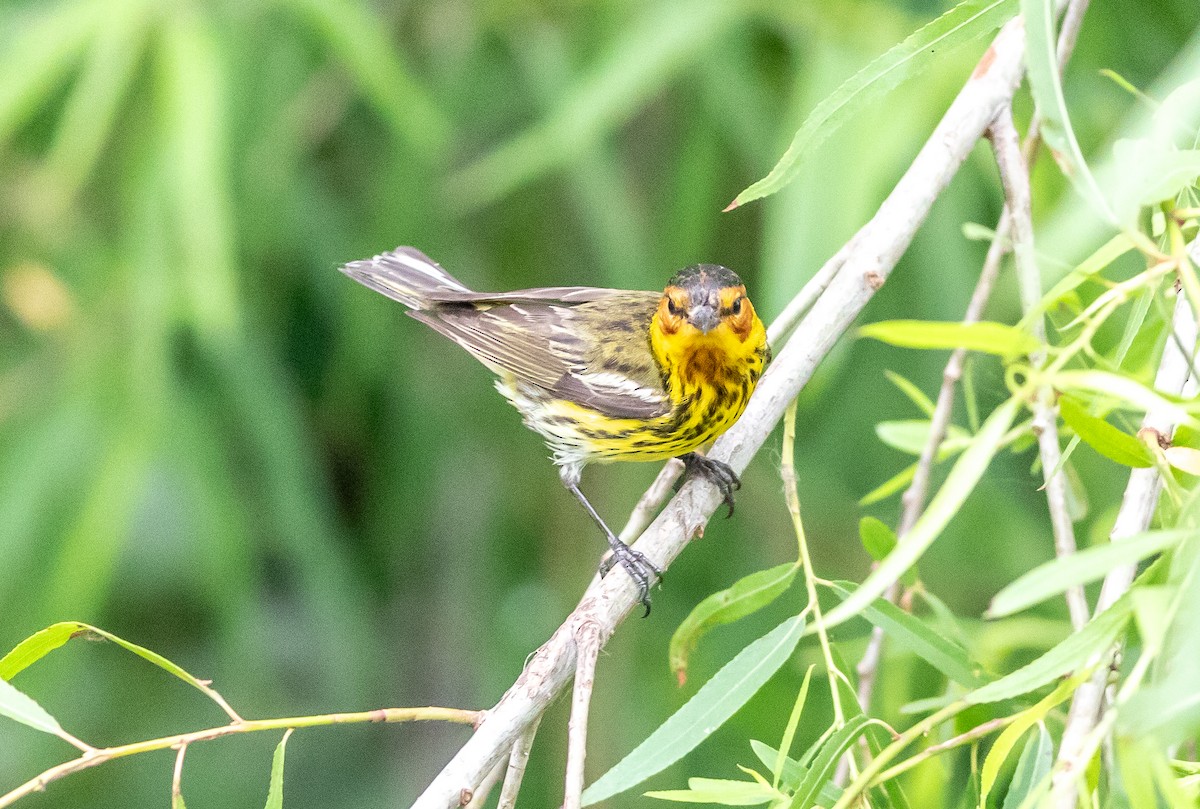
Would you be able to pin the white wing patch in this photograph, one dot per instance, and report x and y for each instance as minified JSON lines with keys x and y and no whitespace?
{"x":607,"y":383}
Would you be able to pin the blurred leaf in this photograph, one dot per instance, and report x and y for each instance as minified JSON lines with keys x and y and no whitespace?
{"x":357,"y":36}
{"x":16,"y":705}
{"x":961,"y":481}
{"x":986,"y":336}
{"x":659,"y":44}
{"x":951,"y":627}
{"x":787,"y":771}
{"x":915,"y":394}
{"x":715,"y":702}
{"x":1068,"y":656}
{"x":1128,"y":392}
{"x":911,"y":435}
{"x":1109,"y":252}
{"x":961,"y":25}
{"x":911,"y":632}
{"x":1045,"y":84}
{"x":824,"y":763}
{"x":1185,"y":459}
{"x":275,"y":793}
{"x":748,"y":595}
{"x":39,"y":59}
{"x":1033,"y":767}
{"x":877,"y":537}
{"x":718,"y":790}
{"x":1061,"y":574}
{"x":1008,"y":739}
{"x":1112,"y":443}
{"x":1153,"y":173}
{"x":779,"y":764}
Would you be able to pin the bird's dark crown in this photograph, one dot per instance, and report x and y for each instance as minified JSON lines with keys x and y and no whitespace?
{"x":710,"y":276}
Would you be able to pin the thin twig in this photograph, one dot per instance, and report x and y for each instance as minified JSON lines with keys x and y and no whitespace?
{"x":588,"y":640}
{"x":1014,"y":176}
{"x":479,"y":797}
{"x":876,"y":249}
{"x":974,"y":734}
{"x":1137,"y":509}
{"x":804,"y":300}
{"x":518,"y":760}
{"x":103,"y":755}
{"x":177,"y":778}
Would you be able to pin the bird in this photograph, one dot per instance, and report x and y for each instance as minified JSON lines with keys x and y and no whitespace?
{"x":602,"y":374}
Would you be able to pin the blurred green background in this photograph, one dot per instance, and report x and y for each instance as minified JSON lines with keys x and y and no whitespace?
{"x":217,"y":446}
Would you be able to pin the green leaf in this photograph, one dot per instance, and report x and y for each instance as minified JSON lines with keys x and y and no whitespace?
{"x":826,"y":760}
{"x":1059,"y":575}
{"x":745,"y":597}
{"x":16,"y":705}
{"x":275,"y":793}
{"x":877,"y":537}
{"x":1033,"y":769}
{"x":915,"y":394}
{"x":787,"y":771}
{"x":715,"y":702}
{"x":945,"y":504}
{"x":911,"y":435}
{"x":1128,"y":392}
{"x":910,"y":632}
{"x":1109,"y":252}
{"x":1109,"y":441}
{"x":1041,"y":61}
{"x":963,"y":24}
{"x":1068,"y":656}
{"x":38,"y":645}
{"x":986,"y":336}
{"x":789,"y":733}
{"x":1151,"y":173}
{"x":1011,"y":735}
{"x":718,"y":790}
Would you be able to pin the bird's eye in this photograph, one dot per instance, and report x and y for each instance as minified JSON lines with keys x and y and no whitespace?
{"x":672,"y":307}
{"x":737,"y":307}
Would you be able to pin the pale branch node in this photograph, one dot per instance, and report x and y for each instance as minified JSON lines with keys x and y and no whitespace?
{"x":102,"y":755}
{"x":1014,"y":177}
{"x":874,"y":253}
{"x":1174,"y":376}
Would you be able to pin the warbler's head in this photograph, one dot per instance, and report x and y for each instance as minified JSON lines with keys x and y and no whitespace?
{"x":706,"y":299}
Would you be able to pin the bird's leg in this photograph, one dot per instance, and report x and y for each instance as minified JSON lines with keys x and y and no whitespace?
{"x":719,"y":473}
{"x":639,"y":568}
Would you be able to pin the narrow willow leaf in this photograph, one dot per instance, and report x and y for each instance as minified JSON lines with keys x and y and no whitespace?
{"x":1045,"y":83}
{"x":1109,"y":252}
{"x":1033,"y":768}
{"x":1061,"y":574}
{"x":715,"y":702}
{"x":986,"y":336}
{"x":961,"y":481}
{"x":915,"y":394}
{"x":17,"y":705}
{"x":1069,"y":655}
{"x":1185,"y":459}
{"x":1008,"y":739}
{"x":877,"y":537}
{"x":745,"y":597}
{"x":275,"y":793}
{"x":787,"y":770}
{"x":911,"y":435}
{"x":965,"y":23}
{"x":1109,"y":441}
{"x":719,"y":790}
{"x":789,"y":733}
{"x":1152,"y":173}
{"x":1128,"y":392}
{"x":826,"y":760}
{"x":38,"y":645}
{"x":910,"y":632}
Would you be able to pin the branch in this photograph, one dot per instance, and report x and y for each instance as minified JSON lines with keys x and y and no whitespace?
{"x":103,"y":755}
{"x":868,"y":262}
{"x":1137,"y":509}
{"x":587,"y":643}
{"x":1014,"y":176}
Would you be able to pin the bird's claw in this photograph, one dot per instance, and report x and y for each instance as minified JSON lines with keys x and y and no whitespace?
{"x":719,"y":473}
{"x":638,"y":566}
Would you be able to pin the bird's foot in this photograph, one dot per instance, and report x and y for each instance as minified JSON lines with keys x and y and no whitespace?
{"x":719,"y":473}
{"x":637,"y":565}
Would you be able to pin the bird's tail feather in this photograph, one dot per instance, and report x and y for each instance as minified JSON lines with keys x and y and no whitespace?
{"x":406,"y":275}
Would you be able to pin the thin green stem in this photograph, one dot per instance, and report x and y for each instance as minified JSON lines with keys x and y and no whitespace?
{"x":103,"y":755}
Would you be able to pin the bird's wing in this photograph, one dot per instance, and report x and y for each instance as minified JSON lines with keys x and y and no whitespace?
{"x":568,"y":348}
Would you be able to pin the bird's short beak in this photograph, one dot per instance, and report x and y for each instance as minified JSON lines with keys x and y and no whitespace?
{"x":704,"y":317}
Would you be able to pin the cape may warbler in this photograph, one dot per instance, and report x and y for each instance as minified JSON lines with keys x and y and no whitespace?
{"x":602,"y":374}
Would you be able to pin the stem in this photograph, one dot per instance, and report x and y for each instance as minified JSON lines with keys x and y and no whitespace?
{"x":103,"y":755}
{"x":975,"y":733}
{"x":588,"y":640}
